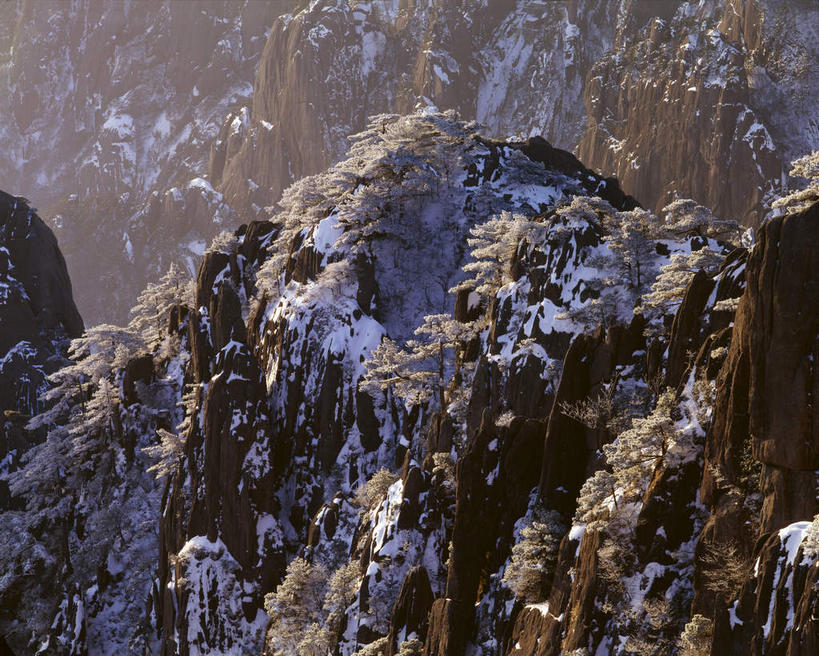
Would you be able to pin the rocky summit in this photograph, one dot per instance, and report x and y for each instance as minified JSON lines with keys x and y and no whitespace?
{"x":411,"y":328}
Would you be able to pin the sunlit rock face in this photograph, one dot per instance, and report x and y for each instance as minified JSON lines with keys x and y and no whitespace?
{"x":710,"y":102}
{"x":107,"y":115}
{"x":115,"y":136}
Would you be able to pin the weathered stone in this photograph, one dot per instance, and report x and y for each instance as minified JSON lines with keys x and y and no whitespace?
{"x":139,"y":369}
{"x":686,"y":330}
{"x":411,"y":611}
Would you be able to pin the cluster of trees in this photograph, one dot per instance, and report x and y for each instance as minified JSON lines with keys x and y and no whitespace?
{"x":631,"y":272}
{"x":422,"y":368}
{"x":88,"y":480}
{"x":805,"y":188}
{"x":492,"y":246}
{"x":392,"y":168}
{"x":307,"y":610}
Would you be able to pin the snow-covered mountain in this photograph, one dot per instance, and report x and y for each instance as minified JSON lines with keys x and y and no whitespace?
{"x":454,"y":396}
{"x":143,"y":134}
{"x":444,"y":391}
{"x":107,"y":117}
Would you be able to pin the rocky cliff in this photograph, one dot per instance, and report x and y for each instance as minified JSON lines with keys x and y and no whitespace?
{"x":748,"y":553}
{"x":37,"y":318}
{"x":673,"y":98}
{"x":176,"y":138}
{"x":685,"y":105}
{"x":454,"y":395}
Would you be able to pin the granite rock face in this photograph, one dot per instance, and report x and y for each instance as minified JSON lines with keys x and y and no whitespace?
{"x":142,"y":161}
{"x":37,"y":319}
{"x":688,"y":104}
{"x":756,"y":478}
{"x":106,"y":123}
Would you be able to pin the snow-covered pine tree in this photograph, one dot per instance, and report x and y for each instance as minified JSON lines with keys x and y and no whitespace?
{"x":685,"y":218}
{"x":805,"y":188}
{"x":668,"y":289}
{"x":535,"y":556}
{"x":422,"y":367}
{"x":375,"y":489}
{"x":632,"y":238}
{"x":492,"y":245}
{"x":295,"y":606}
{"x":341,"y":591}
{"x":149,"y":317}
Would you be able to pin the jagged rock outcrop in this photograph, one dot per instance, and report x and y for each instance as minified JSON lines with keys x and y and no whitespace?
{"x":318,"y":436}
{"x":589,"y":363}
{"x":410,"y":615}
{"x":764,"y":407}
{"x":37,"y":318}
{"x":755,"y":558}
{"x":719,"y":82}
{"x":775,"y":612}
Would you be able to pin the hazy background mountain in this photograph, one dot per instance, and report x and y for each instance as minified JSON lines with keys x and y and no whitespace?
{"x":141,"y":129}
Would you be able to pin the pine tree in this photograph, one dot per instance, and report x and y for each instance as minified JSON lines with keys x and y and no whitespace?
{"x":669,"y":288}
{"x":634,"y":451}
{"x":632,"y":240}
{"x":317,"y":640}
{"x":149,"y":317}
{"x":375,"y":648}
{"x":805,"y":188}
{"x":375,"y":489}
{"x":492,"y":247}
{"x":413,"y":647}
{"x":535,"y":556}
{"x":169,"y":451}
{"x":696,"y":638}
{"x":341,"y":592}
{"x":685,"y":218}
{"x":422,"y":367}
{"x":225,"y":242}
{"x":295,"y":606}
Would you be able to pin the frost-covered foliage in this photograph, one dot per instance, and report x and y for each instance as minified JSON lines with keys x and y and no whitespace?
{"x":149,"y":317}
{"x":810,"y":544}
{"x":225,"y":242}
{"x":696,"y":638}
{"x":375,"y":489}
{"x":668,"y":290}
{"x":492,"y":246}
{"x":644,"y":252}
{"x":668,"y":434}
{"x":307,"y":610}
{"x":667,"y":439}
{"x":412,"y":647}
{"x":685,"y":218}
{"x":295,"y":605}
{"x":605,"y":411}
{"x":534,"y":556}
{"x":376,"y":648}
{"x":805,"y":187}
{"x":724,"y":568}
{"x":422,"y":367}
{"x":88,"y":481}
